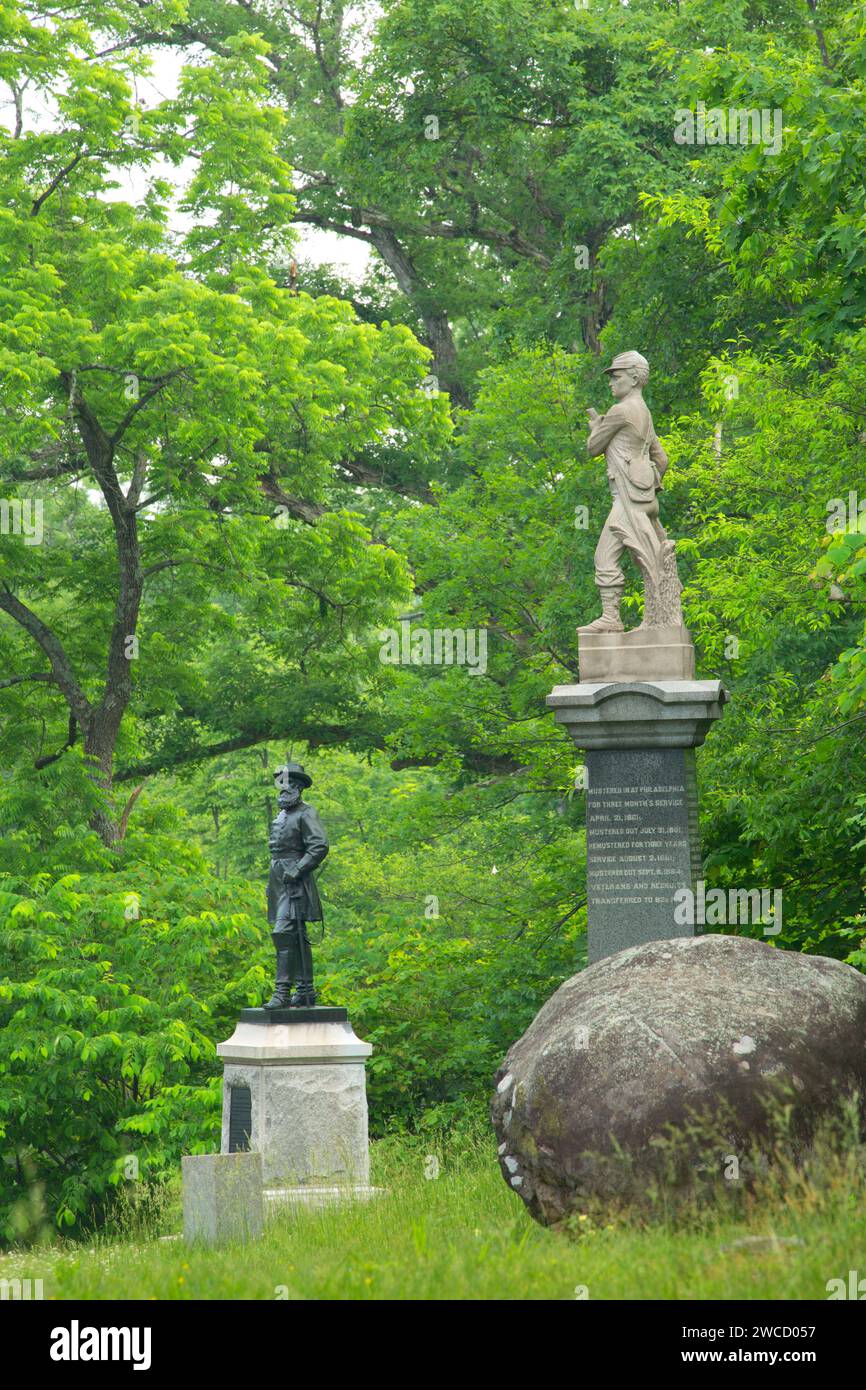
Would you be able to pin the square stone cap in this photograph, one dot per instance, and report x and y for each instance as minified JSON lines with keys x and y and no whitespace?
{"x":293,"y":1041}
{"x":665,"y":692}
{"x":638,"y":714}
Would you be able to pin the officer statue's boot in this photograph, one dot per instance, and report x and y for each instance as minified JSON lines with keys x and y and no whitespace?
{"x":304,"y":996}
{"x":609,"y":619}
{"x":282,"y":995}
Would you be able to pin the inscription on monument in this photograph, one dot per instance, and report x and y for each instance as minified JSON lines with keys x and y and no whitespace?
{"x":641,"y":839}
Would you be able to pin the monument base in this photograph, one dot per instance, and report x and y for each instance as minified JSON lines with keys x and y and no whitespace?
{"x":276,"y":1199}
{"x":294,"y":1090}
{"x":642,"y":840}
{"x":642,"y":845}
{"x":652,"y":653}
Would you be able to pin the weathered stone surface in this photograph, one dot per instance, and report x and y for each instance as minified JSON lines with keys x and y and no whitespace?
{"x":222,"y":1197}
{"x":653,"y":1035}
{"x":308,"y":1099}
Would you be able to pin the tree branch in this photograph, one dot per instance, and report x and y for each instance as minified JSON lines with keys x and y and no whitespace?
{"x":37,"y":676}
{"x":124,"y":819}
{"x":819,"y":34}
{"x":511,"y":240}
{"x":144,"y":400}
{"x":71,"y":736}
{"x":55,"y":182}
{"x":308,"y":512}
{"x":61,"y":667}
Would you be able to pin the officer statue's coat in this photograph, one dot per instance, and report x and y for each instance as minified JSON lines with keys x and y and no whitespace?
{"x":297,"y":841}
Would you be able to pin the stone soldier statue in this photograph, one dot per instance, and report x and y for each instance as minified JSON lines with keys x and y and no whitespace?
{"x":298,"y":845}
{"x":636,"y":463}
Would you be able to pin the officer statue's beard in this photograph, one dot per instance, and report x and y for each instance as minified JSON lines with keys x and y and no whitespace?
{"x":289,"y":797}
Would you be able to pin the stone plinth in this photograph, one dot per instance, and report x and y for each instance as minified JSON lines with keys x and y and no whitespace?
{"x":658,"y":653}
{"x":222,"y":1197}
{"x":642,"y":839}
{"x":281,"y":1199}
{"x":294,"y":1090}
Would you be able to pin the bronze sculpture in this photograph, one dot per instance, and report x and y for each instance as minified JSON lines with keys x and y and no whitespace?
{"x":298,"y":845}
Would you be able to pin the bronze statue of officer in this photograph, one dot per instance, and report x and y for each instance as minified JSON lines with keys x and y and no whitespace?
{"x":298,"y":845}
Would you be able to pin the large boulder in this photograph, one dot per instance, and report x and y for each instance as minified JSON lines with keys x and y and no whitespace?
{"x":659,"y":1034}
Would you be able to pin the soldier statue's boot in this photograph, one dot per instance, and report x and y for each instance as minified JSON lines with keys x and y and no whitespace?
{"x":281,"y":997}
{"x":609,"y":619}
{"x":304,"y":996}
{"x":288,"y":969}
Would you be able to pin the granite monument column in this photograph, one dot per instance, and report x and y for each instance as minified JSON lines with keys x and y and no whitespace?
{"x":637,"y":710}
{"x":642,"y":839}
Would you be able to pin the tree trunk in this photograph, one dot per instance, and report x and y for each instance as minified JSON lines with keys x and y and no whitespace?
{"x":103,"y":724}
{"x":437,"y":329}
{"x":99,"y":744}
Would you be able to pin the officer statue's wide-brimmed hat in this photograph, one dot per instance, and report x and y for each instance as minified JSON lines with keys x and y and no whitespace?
{"x":624,"y":360}
{"x":293,"y":771}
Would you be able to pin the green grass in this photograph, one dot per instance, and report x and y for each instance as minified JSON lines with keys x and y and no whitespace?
{"x":464,"y":1235}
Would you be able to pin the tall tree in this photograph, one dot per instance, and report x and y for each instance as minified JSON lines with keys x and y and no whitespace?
{"x":211,"y":412}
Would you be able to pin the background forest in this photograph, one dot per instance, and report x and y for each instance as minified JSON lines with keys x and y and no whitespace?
{"x":228,"y":468}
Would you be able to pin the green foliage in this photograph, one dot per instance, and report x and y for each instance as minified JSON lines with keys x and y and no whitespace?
{"x":118,"y":980}
{"x":180,"y":418}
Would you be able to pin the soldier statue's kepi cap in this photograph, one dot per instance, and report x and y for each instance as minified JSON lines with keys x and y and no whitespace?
{"x":292,"y":772}
{"x":624,"y":360}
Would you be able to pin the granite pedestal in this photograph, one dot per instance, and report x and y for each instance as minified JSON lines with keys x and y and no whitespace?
{"x":294,"y":1090}
{"x":642,"y":839}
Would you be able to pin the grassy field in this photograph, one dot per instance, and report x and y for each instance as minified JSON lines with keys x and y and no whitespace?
{"x":464,"y":1235}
